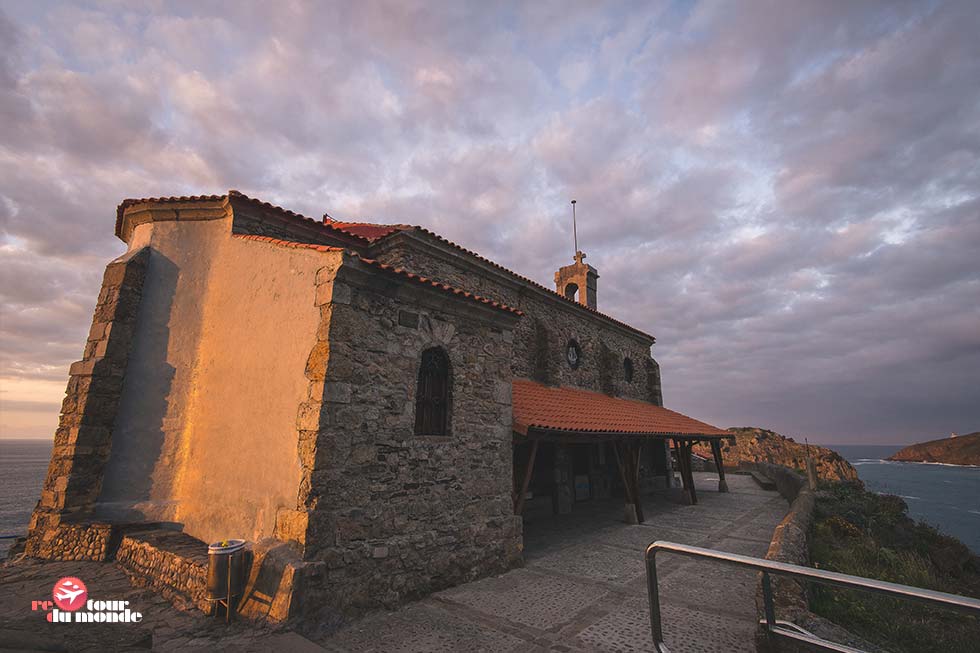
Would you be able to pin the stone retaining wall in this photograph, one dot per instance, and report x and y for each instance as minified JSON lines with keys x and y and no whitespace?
{"x":790,"y":544}
{"x":171,"y":562}
{"x":76,"y":542}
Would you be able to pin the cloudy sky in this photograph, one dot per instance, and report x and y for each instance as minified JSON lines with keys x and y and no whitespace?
{"x":786,"y":194}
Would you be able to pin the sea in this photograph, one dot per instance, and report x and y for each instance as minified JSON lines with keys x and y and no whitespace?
{"x":23,"y":464}
{"x":944,"y":496}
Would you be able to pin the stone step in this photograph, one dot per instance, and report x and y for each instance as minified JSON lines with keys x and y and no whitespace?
{"x":764,"y":481}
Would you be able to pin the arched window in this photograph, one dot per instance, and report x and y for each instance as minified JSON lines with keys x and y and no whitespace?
{"x":571,"y":291}
{"x":432,"y":397}
{"x":573,"y":354}
{"x":628,"y":370}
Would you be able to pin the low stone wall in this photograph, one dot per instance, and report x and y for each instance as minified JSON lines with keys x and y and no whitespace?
{"x":75,"y":542}
{"x":788,"y":481}
{"x":176,"y":565}
{"x":790,"y":539}
{"x":790,"y":544}
{"x":172,"y":563}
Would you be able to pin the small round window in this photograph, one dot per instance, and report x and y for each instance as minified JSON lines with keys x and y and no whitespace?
{"x":573,"y":354}
{"x":628,"y":370}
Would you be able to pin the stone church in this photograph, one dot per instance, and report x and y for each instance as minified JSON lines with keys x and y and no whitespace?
{"x":372,"y":405}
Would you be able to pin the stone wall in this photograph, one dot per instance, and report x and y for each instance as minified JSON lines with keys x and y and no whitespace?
{"x":83,"y":440}
{"x":65,"y":541}
{"x":394,"y":515}
{"x":791,"y":544}
{"x":171,"y":562}
{"x":551,"y":322}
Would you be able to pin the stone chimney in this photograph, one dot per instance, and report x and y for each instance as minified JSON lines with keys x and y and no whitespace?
{"x":578,"y":281}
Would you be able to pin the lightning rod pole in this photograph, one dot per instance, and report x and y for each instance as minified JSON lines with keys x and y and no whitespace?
{"x":574,"y":228}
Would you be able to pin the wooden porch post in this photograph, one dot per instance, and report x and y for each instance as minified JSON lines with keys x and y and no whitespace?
{"x":637,"y":497}
{"x":680,"y":468}
{"x":683,"y":450}
{"x":628,"y":476}
{"x":716,"y":450}
{"x":519,"y":500}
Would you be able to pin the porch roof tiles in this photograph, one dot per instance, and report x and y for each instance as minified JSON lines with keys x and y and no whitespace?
{"x":572,"y":410}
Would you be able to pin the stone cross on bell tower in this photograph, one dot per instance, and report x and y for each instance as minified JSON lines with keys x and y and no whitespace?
{"x":577,"y":281}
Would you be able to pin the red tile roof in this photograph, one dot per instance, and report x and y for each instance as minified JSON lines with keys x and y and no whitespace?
{"x":405,"y":274}
{"x":367,"y":233}
{"x":537,"y":406}
{"x":126,"y":203}
{"x":367,"y":230}
{"x":334,"y":229}
{"x":442,"y":286}
{"x":288,"y":243}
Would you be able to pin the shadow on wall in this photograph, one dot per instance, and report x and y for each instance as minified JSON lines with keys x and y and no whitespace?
{"x":139,"y":434}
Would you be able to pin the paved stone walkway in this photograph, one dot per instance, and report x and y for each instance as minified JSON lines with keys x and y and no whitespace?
{"x":163,"y":628}
{"x":583,"y":588}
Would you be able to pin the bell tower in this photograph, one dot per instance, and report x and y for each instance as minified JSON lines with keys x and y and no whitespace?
{"x":577,"y":281}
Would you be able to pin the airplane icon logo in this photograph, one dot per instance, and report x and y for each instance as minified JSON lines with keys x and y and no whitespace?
{"x":70,"y":593}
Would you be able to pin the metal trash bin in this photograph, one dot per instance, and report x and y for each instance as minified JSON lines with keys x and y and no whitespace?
{"x":225,"y":575}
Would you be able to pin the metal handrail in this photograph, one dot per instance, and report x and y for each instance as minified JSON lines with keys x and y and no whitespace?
{"x":781,"y":628}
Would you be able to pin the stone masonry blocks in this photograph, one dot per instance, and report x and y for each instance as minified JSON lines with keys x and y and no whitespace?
{"x":541,"y":336}
{"x":394,"y":515}
{"x":83,"y":439}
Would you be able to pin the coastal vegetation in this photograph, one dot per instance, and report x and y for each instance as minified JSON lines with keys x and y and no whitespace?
{"x":866,"y":534}
{"x":961,"y":450}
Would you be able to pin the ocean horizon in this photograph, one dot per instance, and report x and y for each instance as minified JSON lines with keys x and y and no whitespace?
{"x":23,"y":464}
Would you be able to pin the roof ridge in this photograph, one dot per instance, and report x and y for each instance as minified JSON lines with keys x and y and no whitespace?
{"x":328,"y":222}
{"x":293,"y":214}
{"x":126,"y":203}
{"x":521,"y":277}
{"x":417,"y":278}
{"x":438,"y":284}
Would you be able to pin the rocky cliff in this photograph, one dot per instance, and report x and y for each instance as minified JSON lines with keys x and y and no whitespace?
{"x":754,"y":445}
{"x":961,"y":450}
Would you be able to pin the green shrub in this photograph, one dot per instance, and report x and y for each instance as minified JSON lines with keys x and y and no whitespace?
{"x":865,"y":534}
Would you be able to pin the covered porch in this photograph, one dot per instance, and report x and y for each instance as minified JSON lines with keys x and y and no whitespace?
{"x":577,"y":446}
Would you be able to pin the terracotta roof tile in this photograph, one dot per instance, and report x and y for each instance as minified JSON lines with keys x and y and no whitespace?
{"x":574,"y":410}
{"x":288,"y":243}
{"x":126,"y":203}
{"x":368,"y":230}
{"x":405,"y":274}
{"x":367,"y":233}
{"x":442,"y":286}
{"x":291,"y":215}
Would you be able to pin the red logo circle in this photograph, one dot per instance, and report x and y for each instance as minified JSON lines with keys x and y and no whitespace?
{"x":69,"y":594}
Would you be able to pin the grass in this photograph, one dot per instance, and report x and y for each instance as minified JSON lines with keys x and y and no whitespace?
{"x":865,"y":534}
